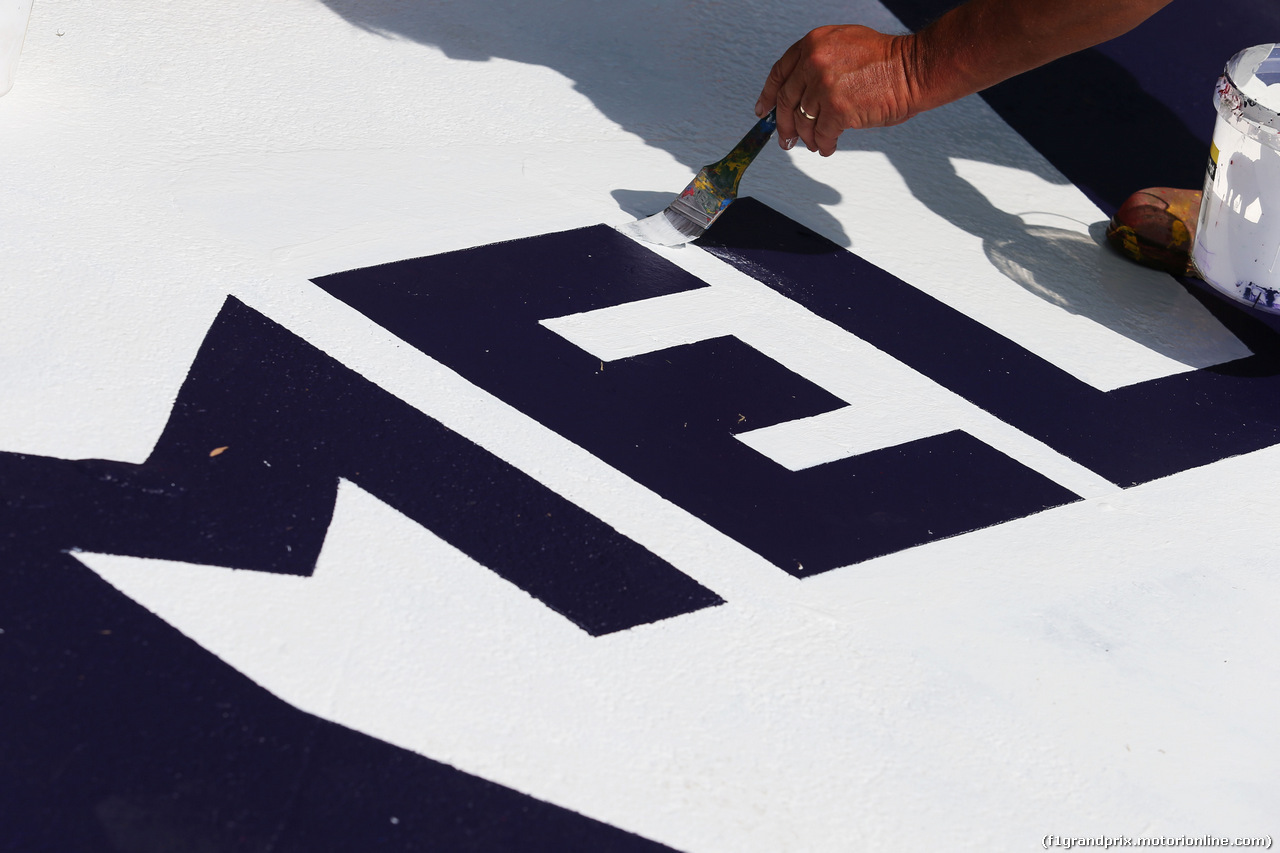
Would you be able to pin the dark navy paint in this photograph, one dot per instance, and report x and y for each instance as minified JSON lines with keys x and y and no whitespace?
{"x":119,"y":734}
{"x":1129,"y":435}
{"x":667,"y":418}
{"x":294,"y":421}
{"x":116,"y":733}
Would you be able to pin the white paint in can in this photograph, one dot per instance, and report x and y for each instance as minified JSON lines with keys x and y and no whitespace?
{"x":1238,"y":234}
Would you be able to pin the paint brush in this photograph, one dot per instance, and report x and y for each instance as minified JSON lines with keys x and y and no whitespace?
{"x":708,"y":194}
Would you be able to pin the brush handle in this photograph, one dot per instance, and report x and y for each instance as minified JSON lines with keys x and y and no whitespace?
{"x":716,"y":185}
{"x":727,"y":172}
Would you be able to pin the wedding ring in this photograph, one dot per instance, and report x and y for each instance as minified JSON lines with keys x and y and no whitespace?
{"x":804,"y":113}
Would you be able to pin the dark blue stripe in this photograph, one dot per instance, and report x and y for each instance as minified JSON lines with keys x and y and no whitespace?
{"x":667,"y":419}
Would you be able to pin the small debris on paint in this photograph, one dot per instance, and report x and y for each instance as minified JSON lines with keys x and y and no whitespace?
{"x":217,"y":451}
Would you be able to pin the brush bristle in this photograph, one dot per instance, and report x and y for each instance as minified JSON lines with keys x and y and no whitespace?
{"x":657,"y":229}
{"x":678,"y":223}
{"x":691,"y":228}
{"x":672,"y":226}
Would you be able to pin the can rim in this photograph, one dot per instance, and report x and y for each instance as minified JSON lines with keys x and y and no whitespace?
{"x":1245,"y":114}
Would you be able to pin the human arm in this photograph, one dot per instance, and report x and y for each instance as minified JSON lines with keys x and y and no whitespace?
{"x":855,"y":77}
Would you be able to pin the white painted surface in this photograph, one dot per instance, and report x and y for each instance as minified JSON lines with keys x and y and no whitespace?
{"x":14,"y":15}
{"x":157,"y":157}
{"x":972,"y":694}
{"x":889,"y":404}
{"x":1109,"y":666}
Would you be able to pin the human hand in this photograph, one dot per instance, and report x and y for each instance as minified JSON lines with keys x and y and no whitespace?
{"x":836,"y":78}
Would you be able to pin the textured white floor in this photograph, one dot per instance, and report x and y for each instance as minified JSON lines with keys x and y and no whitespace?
{"x":1109,"y":666}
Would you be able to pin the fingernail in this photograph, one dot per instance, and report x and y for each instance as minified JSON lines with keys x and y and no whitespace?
{"x":789,"y":143}
{"x":759,"y":110}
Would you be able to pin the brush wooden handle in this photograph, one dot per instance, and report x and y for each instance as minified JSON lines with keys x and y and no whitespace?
{"x":716,"y":185}
{"x":726,"y":173}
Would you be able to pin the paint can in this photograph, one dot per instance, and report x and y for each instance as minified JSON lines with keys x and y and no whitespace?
{"x":1237,"y":248}
{"x":13,"y":31}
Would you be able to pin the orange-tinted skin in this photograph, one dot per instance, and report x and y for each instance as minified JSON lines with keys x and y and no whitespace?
{"x":851,"y":76}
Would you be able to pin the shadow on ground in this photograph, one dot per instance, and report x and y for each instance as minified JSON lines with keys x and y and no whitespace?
{"x":684,"y":76}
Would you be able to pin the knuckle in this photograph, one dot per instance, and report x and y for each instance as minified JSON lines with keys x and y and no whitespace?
{"x":824,"y":63}
{"x":812,"y":39}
